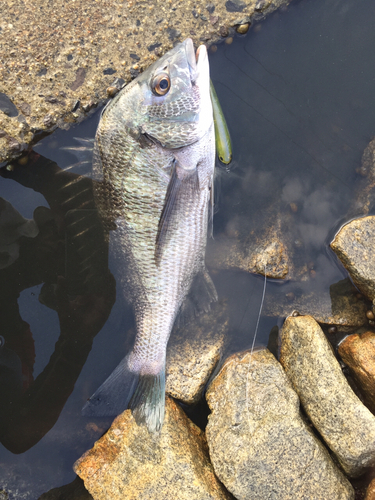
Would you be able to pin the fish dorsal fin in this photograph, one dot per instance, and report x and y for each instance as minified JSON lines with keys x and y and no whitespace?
{"x":182,"y":185}
{"x":199,"y":299}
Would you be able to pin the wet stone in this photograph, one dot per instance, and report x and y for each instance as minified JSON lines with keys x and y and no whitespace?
{"x":364,"y":196}
{"x":265,"y":254}
{"x":339,"y":305}
{"x":354,"y":245}
{"x":235,"y":5}
{"x":193,"y":352}
{"x":7,"y":107}
{"x":259,"y":445}
{"x":130,"y":463}
{"x":345,"y":424}
{"x":358,"y":353}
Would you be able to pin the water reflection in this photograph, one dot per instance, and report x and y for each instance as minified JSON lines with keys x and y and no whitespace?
{"x":65,"y":248}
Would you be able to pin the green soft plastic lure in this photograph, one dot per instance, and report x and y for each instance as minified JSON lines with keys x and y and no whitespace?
{"x":222,"y":137}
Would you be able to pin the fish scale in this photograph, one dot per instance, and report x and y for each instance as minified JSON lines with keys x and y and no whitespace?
{"x":154,"y":165}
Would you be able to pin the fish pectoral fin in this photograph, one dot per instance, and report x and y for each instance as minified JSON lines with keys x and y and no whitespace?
{"x":199,"y":299}
{"x":113,"y":396}
{"x":183,"y":185}
{"x":148,"y":401}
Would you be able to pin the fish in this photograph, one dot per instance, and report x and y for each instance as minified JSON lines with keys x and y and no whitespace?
{"x":222,"y":136}
{"x":153,"y":165}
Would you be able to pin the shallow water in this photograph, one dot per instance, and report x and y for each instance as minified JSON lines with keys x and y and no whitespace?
{"x":297,"y":92}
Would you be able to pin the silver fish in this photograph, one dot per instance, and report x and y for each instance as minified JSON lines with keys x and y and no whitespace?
{"x":154,"y":156}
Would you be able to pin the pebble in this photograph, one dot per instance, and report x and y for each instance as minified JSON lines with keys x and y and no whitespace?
{"x":345,"y":424}
{"x":112,"y":91}
{"x":243,"y":28}
{"x":260,"y":446}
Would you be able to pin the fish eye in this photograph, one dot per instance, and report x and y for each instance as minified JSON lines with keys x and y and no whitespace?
{"x":161,"y":84}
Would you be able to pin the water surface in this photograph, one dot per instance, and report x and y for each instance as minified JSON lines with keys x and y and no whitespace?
{"x":297,"y":92}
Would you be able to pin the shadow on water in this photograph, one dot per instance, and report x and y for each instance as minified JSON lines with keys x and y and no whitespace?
{"x":297,"y":92}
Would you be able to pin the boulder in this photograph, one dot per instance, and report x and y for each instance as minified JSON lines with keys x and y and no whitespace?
{"x":354,"y":245}
{"x":193,"y":352}
{"x":259,"y":444}
{"x":346,"y":425}
{"x":129,"y":463}
{"x":358,"y":353}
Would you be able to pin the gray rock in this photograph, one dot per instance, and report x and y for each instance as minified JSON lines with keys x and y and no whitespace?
{"x":129,"y":463}
{"x":193,"y":352}
{"x":259,"y":445}
{"x":354,"y":245}
{"x":364,"y":193}
{"x":345,"y":424}
{"x":340,"y":305}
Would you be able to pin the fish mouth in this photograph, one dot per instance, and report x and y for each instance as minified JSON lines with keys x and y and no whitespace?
{"x":197,"y":60}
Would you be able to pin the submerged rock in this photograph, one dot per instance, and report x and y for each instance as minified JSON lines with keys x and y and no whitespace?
{"x":130,"y":463}
{"x":358,"y":353}
{"x":193,"y":352}
{"x":339,"y":305}
{"x":354,"y":245}
{"x":251,"y":253}
{"x":259,"y":445}
{"x":364,"y":197}
{"x":345,"y":424}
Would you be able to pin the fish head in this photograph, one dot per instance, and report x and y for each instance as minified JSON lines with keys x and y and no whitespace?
{"x":170,"y":101}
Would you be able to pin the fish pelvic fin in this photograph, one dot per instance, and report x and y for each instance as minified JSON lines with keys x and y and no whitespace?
{"x":113,"y":396}
{"x":148,"y":401}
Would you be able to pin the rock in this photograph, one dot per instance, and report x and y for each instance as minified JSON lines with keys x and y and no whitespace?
{"x":370,"y":493}
{"x":79,"y":63}
{"x":345,"y":424}
{"x":339,"y":305}
{"x":253,"y":255}
{"x":259,"y":445}
{"x":354,"y":245}
{"x":364,"y":195}
{"x":358,"y":353}
{"x":193,"y":352}
{"x":129,"y":463}
{"x":72,"y":491}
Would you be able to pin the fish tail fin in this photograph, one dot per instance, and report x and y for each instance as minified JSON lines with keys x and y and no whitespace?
{"x":148,"y":401}
{"x":113,"y":396}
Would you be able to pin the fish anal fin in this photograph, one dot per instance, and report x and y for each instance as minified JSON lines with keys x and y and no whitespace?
{"x":182,"y":183}
{"x":199,"y":299}
{"x":113,"y":396}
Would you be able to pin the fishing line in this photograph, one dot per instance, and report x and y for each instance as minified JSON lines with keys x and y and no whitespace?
{"x":253,"y":343}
